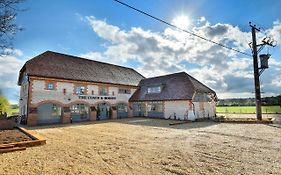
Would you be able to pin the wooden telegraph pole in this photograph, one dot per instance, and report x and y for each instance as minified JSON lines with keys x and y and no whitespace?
{"x":264,"y":65}
{"x":256,"y":72}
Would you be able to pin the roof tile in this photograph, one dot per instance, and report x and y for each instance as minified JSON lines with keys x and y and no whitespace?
{"x":178,"y":86}
{"x":56,"y":65}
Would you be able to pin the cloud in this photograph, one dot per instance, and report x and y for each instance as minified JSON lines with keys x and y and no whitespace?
{"x":277,"y":81}
{"x":158,"y":53}
{"x":275,"y":32}
{"x":10,"y":66}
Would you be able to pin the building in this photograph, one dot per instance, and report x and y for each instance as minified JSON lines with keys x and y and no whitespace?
{"x":59,"y":88}
{"x":175,"y":96}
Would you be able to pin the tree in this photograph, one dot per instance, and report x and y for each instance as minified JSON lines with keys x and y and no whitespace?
{"x":4,"y":104}
{"x":8,"y":13}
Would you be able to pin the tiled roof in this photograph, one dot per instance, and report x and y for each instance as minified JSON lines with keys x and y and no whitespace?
{"x":56,"y":65}
{"x":178,"y":86}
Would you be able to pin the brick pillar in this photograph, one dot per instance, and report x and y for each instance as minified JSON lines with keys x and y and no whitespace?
{"x":114,"y":114}
{"x":66,"y":115}
{"x":32,"y":117}
{"x":130,"y":109}
{"x":93,"y":115}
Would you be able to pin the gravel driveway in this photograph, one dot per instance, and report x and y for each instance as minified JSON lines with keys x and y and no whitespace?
{"x":150,"y":146}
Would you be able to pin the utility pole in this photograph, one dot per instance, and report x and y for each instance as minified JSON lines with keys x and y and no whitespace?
{"x":263,"y":65}
{"x":256,"y":72}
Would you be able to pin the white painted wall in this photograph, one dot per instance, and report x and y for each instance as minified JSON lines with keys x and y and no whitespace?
{"x":183,"y":110}
{"x":40,"y":94}
{"x":208,"y":110}
{"x":176,"y":108}
{"x":93,"y":88}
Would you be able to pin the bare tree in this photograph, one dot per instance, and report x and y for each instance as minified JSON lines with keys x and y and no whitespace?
{"x":8,"y":28}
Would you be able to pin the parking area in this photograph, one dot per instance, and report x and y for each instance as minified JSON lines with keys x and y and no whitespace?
{"x":150,"y":146}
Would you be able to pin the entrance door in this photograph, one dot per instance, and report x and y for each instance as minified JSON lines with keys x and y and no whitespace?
{"x":103,"y":111}
{"x":49,"y":113}
{"x":122,"y":110}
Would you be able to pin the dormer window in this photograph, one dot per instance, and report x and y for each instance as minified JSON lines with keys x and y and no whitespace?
{"x":154,"y":89}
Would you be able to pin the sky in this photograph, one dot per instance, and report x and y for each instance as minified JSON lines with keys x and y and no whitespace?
{"x":109,"y":32}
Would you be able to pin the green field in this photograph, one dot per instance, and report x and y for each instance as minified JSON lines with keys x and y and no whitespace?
{"x":248,"y":109}
{"x":11,"y":111}
{"x":223,"y":109}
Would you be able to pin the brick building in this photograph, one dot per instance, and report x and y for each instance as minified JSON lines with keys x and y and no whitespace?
{"x":60,"y":88}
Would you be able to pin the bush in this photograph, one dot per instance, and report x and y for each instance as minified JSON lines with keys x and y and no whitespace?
{"x":4,"y":104}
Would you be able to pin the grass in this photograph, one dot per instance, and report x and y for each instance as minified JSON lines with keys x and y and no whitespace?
{"x":15,"y":110}
{"x":248,"y":109}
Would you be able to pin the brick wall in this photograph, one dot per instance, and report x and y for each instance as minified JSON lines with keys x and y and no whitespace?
{"x":40,"y":94}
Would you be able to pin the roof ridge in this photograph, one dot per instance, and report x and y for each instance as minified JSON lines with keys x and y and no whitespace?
{"x":165,"y":75}
{"x":198,"y":82}
{"x":75,"y":67}
{"x":81,"y":58}
{"x":189,"y":76}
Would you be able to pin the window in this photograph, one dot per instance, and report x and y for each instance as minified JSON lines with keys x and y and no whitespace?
{"x":154,"y":89}
{"x":93,"y":92}
{"x":56,"y":110}
{"x":64,"y":91}
{"x":80,"y":90}
{"x":124,"y":91}
{"x":122,"y":108}
{"x":50,"y":86}
{"x":103,"y":91}
{"x":155,"y":107}
{"x":79,"y":112}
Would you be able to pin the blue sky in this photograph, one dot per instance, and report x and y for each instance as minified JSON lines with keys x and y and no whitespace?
{"x":110,"y":32}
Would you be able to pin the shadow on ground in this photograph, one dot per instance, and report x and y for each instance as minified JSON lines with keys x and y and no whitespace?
{"x":48,"y":126}
{"x":140,"y":121}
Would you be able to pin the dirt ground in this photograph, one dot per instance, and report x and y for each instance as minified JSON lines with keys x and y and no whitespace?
{"x":12,"y":135}
{"x":150,"y":146}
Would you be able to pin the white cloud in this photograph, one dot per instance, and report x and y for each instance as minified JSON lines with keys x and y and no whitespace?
{"x":202,"y":19}
{"x":277,"y":81}
{"x":275,"y":32}
{"x":158,"y":53}
{"x":10,"y":66}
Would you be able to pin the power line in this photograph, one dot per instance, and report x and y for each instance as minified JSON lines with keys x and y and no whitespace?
{"x":183,"y":30}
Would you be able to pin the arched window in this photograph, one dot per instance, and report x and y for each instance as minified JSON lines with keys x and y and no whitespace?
{"x":79,"y":112}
